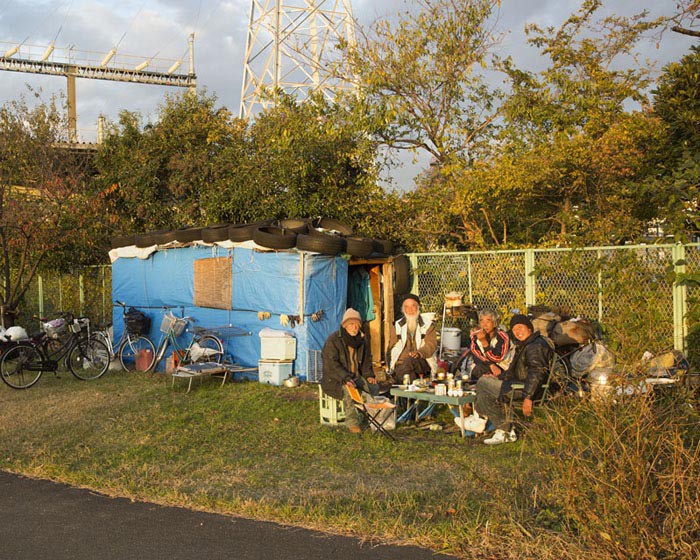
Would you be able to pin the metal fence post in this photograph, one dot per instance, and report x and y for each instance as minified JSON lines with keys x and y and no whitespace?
{"x":530,"y":280}
{"x":470,"y":280}
{"x":81,"y":294}
{"x":413,"y":258}
{"x":680,"y":293}
{"x":40,"y":290}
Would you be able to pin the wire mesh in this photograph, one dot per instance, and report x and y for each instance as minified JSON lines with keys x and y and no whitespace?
{"x":629,"y":290}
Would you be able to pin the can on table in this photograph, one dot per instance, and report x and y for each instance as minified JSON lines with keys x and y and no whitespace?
{"x":406,"y":379}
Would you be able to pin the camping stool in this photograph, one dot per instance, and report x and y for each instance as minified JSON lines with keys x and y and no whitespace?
{"x":332,"y":411}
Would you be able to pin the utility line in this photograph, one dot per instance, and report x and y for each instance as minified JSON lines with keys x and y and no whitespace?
{"x":138,"y":13}
{"x":7,"y":5}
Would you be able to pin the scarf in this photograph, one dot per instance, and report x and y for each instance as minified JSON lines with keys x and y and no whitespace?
{"x":352,"y":341}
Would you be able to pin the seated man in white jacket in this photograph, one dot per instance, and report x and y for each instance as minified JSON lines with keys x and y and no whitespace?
{"x":412,"y":343}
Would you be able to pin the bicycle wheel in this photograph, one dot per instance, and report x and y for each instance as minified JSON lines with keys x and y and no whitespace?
{"x":560,"y":380}
{"x":21,"y":366}
{"x":137,"y":354}
{"x":89,"y":359}
{"x":207,"y":349}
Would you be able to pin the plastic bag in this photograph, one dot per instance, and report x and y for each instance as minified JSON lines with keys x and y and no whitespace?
{"x":573,"y":331}
{"x":591,"y":357}
{"x":473,"y":423}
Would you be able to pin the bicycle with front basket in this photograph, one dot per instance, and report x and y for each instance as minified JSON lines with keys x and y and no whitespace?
{"x":204,"y":346}
{"x":135,"y":351}
{"x":64,"y":338}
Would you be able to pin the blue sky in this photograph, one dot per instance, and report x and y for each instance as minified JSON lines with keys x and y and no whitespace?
{"x":147,"y":27}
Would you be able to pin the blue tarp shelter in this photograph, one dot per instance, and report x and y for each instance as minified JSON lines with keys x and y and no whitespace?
{"x":280,"y":283}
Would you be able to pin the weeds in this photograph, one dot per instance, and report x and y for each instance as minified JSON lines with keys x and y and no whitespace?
{"x":587,"y":480}
{"x":622,"y":473}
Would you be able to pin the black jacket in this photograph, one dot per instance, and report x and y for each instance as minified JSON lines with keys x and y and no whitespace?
{"x":530,"y":366}
{"x":336,"y":364}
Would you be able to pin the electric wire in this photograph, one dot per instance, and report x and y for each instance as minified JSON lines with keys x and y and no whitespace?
{"x":7,"y":5}
{"x":138,"y":13}
{"x":65,"y":18}
{"x":46,"y":17}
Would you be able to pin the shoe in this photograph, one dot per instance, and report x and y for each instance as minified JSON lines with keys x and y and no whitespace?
{"x":501,"y":436}
{"x":355,"y":429}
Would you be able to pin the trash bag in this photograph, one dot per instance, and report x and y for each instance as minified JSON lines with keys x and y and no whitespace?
{"x":473,"y":423}
{"x":573,"y":331}
{"x":385,"y":417}
{"x":546,"y":322}
{"x":668,"y":364}
{"x":589,"y":358}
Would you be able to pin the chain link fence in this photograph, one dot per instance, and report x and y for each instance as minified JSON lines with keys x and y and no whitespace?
{"x":631,"y":291}
{"x":84,"y":292}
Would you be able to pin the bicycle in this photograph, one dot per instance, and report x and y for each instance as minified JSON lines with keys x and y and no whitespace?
{"x":135,"y":351}
{"x":204,"y":346}
{"x":87,"y":358}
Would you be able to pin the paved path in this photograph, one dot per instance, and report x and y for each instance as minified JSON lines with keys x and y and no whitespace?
{"x":45,"y":520}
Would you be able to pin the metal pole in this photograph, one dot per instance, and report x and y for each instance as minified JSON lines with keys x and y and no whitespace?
{"x":72,"y":111}
{"x":314,"y":46}
{"x":193,"y":86}
{"x":40,"y":288}
{"x":81,"y":294}
{"x":530,"y":288}
{"x":276,"y":49}
{"x":680,"y":294}
{"x":470,"y":280}
{"x":414,"y":267}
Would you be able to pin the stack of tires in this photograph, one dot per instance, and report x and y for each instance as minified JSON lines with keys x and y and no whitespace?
{"x":319,"y":235}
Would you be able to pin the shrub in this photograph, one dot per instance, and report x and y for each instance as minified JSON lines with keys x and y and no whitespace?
{"x":623,"y":473}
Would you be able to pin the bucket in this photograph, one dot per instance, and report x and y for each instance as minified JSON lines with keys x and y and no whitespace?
{"x":143,"y":360}
{"x":451,"y":339}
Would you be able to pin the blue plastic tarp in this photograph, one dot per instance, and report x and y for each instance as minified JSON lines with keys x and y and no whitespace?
{"x":269,"y":282}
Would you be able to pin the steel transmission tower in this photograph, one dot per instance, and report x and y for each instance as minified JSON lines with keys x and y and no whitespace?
{"x":289,"y":45}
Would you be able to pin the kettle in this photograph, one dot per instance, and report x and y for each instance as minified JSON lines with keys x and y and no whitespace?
{"x":291,"y":381}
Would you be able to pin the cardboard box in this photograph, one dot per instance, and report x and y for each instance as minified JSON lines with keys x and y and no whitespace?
{"x":274,"y":372}
{"x":278,"y":348}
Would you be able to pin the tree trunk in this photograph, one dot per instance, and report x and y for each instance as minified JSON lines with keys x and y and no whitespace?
{"x":8,"y":315}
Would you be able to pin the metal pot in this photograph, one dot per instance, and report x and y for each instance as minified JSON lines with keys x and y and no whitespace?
{"x":291,"y":381}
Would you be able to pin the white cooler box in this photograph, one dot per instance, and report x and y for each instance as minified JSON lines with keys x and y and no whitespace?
{"x":278,"y":348}
{"x":274,"y":372}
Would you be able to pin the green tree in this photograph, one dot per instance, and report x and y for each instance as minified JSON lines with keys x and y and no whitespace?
{"x":46,"y":210}
{"x":421,"y":86}
{"x":575,"y":154}
{"x":161,"y":175}
{"x":311,"y":159}
{"x":419,"y":81}
{"x":677,"y":181}
{"x":196,"y":165}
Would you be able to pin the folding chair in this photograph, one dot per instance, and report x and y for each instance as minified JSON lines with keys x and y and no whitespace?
{"x":369,"y":408}
{"x":553,"y":378}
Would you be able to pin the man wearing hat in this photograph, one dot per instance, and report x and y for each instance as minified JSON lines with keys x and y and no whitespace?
{"x":412,"y":342}
{"x":347,"y":358}
{"x":530,"y":366}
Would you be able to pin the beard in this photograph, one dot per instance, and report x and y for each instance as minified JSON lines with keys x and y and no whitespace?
{"x":412,"y":322}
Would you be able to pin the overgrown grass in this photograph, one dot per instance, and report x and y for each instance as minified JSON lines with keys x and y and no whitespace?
{"x":259,"y":451}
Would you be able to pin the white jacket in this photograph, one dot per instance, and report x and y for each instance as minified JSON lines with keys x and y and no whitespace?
{"x":423,"y":324}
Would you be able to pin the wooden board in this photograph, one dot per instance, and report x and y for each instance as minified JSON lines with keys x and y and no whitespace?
{"x":213,"y":282}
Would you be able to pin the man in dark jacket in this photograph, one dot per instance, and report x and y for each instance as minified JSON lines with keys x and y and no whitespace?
{"x":530,"y":366}
{"x":347,"y":358}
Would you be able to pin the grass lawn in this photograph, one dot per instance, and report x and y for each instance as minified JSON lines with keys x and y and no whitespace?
{"x":259,"y":451}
